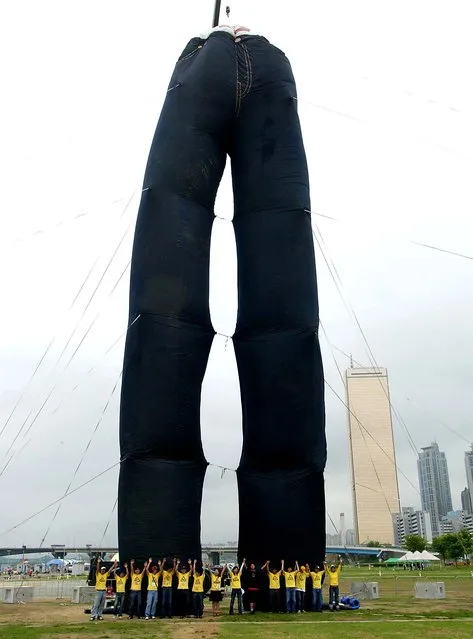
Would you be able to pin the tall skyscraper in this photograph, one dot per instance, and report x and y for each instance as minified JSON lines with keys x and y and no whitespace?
{"x":434,"y":485}
{"x":469,"y":477}
{"x":466,"y":501}
{"x":372,"y":458}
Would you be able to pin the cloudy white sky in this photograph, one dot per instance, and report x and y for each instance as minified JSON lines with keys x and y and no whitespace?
{"x":386,"y":104}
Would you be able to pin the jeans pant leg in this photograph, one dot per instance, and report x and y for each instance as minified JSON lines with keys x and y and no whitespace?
{"x":119,"y":601}
{"x":332,"y":596}
{"x":271,"y":220}
{"x":196,"y":603}
{"x":317,"y":599}
{"x":154,"y":604}
{"x":240,"y":602}
{"x":232,"y":600}
{"x":132,"y":603}
{"x":96,"y":606}
{"x":336,"y":595}
{"x":169,"y":291}
{"x":292,"y":599}
{"x":166,"y":607}
{"x":150,"y":599}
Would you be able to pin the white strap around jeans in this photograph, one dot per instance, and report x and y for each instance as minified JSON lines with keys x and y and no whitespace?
{"x":235,"y":31}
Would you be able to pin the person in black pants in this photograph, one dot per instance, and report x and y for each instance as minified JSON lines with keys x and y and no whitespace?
{"x":183,"y":593}
{"x":274,"y":587}
{"x":251,"y":583}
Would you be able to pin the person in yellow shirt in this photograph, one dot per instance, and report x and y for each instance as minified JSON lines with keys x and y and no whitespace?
{"x":215,"y":595}
{"x":101,"y":576}
{"x":235,"y":580}
{"x":166,"y":573}
{"x":274,"y":586}
{"x":290,"y":578}
{"x":183,"y":576}
{"x":121,"y":577}
{"x":333,"y":574}
{"x":198,"y":590}
{"x":317,"y":580}
{"x":135,"y":590}
{"x":301,"y":577}
{"x":152,"y":595}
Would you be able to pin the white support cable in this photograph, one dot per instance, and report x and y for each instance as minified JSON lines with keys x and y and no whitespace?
{"x":350,"y":310}
{"x":409,"y":399}
{"x":397,"y":237}
{"x":48,"y":348}
{"x":40,"y":410}
{"x":60,"y":499}
{"x":75,"y":490}
{"x":104,"y":410}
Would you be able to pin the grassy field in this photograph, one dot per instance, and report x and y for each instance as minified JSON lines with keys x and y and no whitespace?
{"x":393,"y":615}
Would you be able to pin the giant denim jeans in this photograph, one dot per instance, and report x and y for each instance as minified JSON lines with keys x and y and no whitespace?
{"x":227,"y":96}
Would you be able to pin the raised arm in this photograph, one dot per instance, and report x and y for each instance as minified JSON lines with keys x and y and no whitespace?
{"x":125,"y":565}
{"x":97,"y":569}
{"x":145,"y":568}
{"x":243,"y":565}
{"x":297,"y":566}
{"x":282,"y":565}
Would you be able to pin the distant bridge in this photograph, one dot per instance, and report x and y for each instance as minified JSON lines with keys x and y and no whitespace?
{"x":213,"y":551}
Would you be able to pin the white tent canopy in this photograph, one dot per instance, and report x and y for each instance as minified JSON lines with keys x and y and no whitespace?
{"x":428,"y":556}
{"x":419,"y":556}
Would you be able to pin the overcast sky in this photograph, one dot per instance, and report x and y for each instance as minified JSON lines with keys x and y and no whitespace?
{"x":386,"y":105}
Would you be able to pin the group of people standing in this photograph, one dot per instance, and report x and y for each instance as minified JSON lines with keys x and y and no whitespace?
{"x":194,"y":580}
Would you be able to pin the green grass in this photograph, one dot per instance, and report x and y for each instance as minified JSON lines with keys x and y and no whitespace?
{"x":224,"y":630}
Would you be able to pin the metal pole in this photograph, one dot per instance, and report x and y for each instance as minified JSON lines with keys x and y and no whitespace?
{"x":216,"y":19}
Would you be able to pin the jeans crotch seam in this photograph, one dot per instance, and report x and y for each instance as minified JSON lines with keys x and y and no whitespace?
{"x":249,"y":70}
{"x":238,"y":86}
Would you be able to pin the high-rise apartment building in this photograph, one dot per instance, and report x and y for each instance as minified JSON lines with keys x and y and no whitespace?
{"x":375,"y":488}
{"x":411,"y":522}
{"x":469,"y":477}
{"x":466,"y":501}
{"x":434,"y":485}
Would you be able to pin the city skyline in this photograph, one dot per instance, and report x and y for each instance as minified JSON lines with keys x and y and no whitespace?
{"x":375,"y":489}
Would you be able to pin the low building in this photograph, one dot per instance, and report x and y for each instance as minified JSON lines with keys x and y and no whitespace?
{"x":411,"y":522}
